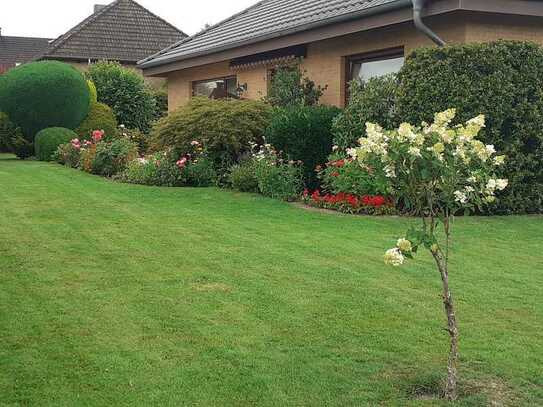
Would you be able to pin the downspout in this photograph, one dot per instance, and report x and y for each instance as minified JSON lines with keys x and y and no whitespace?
{"x":418,"y":7}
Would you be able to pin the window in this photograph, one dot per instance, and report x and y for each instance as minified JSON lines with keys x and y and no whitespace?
{"x":367,"y":66}
{"x":220,"y":88}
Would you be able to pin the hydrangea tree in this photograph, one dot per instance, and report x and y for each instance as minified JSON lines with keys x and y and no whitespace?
{"x":434,"y":171}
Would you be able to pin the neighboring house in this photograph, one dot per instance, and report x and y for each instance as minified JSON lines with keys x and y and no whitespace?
{"x":18,"y":50}
{"x":122,"y":31}
{"x":336,"y":41}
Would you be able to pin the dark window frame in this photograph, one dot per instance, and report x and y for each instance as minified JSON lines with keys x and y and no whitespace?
{"x":220,"y":78}
{"x":381,"y":55}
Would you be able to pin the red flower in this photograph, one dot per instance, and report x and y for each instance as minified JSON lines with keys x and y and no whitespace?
{"x":97,"y":135}
{"x":335,"y":174}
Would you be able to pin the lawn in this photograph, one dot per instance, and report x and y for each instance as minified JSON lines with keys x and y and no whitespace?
{"x":118,"y":295}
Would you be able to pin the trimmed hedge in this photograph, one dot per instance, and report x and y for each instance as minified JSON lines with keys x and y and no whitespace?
{"x":44,"y":94}
{"x":224,"y":127}
{"x":304,"y":133}
{"x":100,"y":117}
{"x":7,"y":133}
{"x":48,"y":140}
{"x":504,"y":81}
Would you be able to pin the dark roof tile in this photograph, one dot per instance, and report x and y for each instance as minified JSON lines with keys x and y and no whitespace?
{"x":21,"y":49}
{"x":123,"y":30}
{"x":265,"y":19}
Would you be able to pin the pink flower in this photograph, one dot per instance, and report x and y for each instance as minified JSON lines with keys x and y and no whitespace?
{"x":97,"y":135}
{"x":195,"y":143}
{"x":76,"y":143}
{"x":182,"y":163}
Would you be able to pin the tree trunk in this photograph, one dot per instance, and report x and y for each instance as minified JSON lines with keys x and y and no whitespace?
{"x":450,"y":392}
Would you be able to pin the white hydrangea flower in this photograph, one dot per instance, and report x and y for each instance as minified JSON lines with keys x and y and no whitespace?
{"x":390,"y":172}
{"x":415,"y":151}
{"x":394,"y":257}
{"x":478,"y":121}
{"x":353,"y":153}
{"x":461,"y":197}
{"x":499,"y":160}
{"x":501,"y":184}
{"x":405,"y":245}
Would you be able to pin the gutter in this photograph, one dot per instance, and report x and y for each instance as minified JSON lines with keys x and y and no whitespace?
{"x":381,"y":9}
{"x":418,"y":8}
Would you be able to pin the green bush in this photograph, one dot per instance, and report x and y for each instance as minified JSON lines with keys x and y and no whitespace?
{"x":242,"y":177}
{"x":343,"y":175}
{"x":100,"y":117}
{"x":504,"y":81}
{"x":7,"y":133}
{"x":279,"y":180}
{"x":68,"y":155}
{"x":303,"y":133}
{"x":92,"y":92}
{"x":289,"y":87}
{"x":224,"y":127}
{"x":124,"y":90}
{"x":48,"y":140}
{"x":372,"y":101}
{"x":20,"y":146}
{"x":136,"y":136}
{"x":113,"y":157}
{"x":200,"y":173}
{"x":45,"y":94}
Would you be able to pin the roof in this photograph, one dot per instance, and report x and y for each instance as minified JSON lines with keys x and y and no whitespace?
{"x":268,"y":19}
{"x":122,"y":31}
{"x":21,"y":49}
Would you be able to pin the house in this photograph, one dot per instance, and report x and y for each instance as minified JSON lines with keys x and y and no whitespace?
{"x":122,"y":31}
{"x":334,"y":40}
{"x":18,"y":50}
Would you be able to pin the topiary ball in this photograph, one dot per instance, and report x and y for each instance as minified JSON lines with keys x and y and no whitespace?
{"x":44,"y":94}
{"x":48,"y":140}
{"x":100,"y":117}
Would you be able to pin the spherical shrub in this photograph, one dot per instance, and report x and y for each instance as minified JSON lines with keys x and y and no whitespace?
{"x":48,"y":140}
{"x":44,"y":94}
{"x":100,"y":117}
{"x":304,"y":133}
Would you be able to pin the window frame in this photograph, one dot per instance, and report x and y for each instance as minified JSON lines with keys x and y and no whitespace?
{"x":220,"y":78}
{"x":380,"y":55}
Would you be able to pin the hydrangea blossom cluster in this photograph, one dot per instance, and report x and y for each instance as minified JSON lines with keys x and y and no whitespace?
{"x":435,"y":167}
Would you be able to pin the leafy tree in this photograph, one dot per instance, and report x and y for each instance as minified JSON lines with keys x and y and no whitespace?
{"x":435,"y":171}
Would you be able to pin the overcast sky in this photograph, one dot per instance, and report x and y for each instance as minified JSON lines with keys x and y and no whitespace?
{"x":51,"y":18}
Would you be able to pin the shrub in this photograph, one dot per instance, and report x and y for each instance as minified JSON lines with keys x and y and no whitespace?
{"x":161,"y":101}
{"x":100,"y":117}
{"x":276,"y":177}
{"x":303,"y":133}
{"x":289,"y":87}
{"x":504,"y":81}
{"x":68,"y":154}
{"x":200,"y":173}
{"x":343,"y":175}
{"x":45,"y":94}
{"x":372,"y":101}
{"x":48,"y":140}
{"x":113,"y":157}
{"x":7,"y":133}
{"x":242,"y":177}
{"x":20,"y":146}
{"x":137,"y":137}
{"x":124,"y":90}
{"x":92,"y":92}
{"x":224,"y":127}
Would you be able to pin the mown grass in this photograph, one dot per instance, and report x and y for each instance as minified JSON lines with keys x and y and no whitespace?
{"x":115,"y":294}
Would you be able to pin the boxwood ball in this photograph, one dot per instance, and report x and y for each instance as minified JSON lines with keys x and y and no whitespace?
{"x":44,"y":94}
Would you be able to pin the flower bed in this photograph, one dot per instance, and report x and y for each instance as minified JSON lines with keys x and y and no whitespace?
{"x":349,"y":203}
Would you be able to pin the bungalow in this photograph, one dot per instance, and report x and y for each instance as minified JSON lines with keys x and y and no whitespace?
{"x":122,"y":31}
{"x":334,"y":40}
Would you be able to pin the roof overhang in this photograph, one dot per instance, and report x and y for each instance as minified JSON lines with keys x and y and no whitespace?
{"x":376,"y":17}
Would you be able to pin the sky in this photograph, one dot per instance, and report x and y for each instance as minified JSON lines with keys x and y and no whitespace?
{"x":51,"y":18}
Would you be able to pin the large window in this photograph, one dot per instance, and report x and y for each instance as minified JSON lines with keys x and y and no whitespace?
{"x":220,"y":88}
{"x":366,"y":66}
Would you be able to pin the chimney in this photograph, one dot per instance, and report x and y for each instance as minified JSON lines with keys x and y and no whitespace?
{"x":98,"y":7}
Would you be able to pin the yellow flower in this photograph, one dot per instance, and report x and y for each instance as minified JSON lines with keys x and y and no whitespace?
{"x":405,"y":245}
